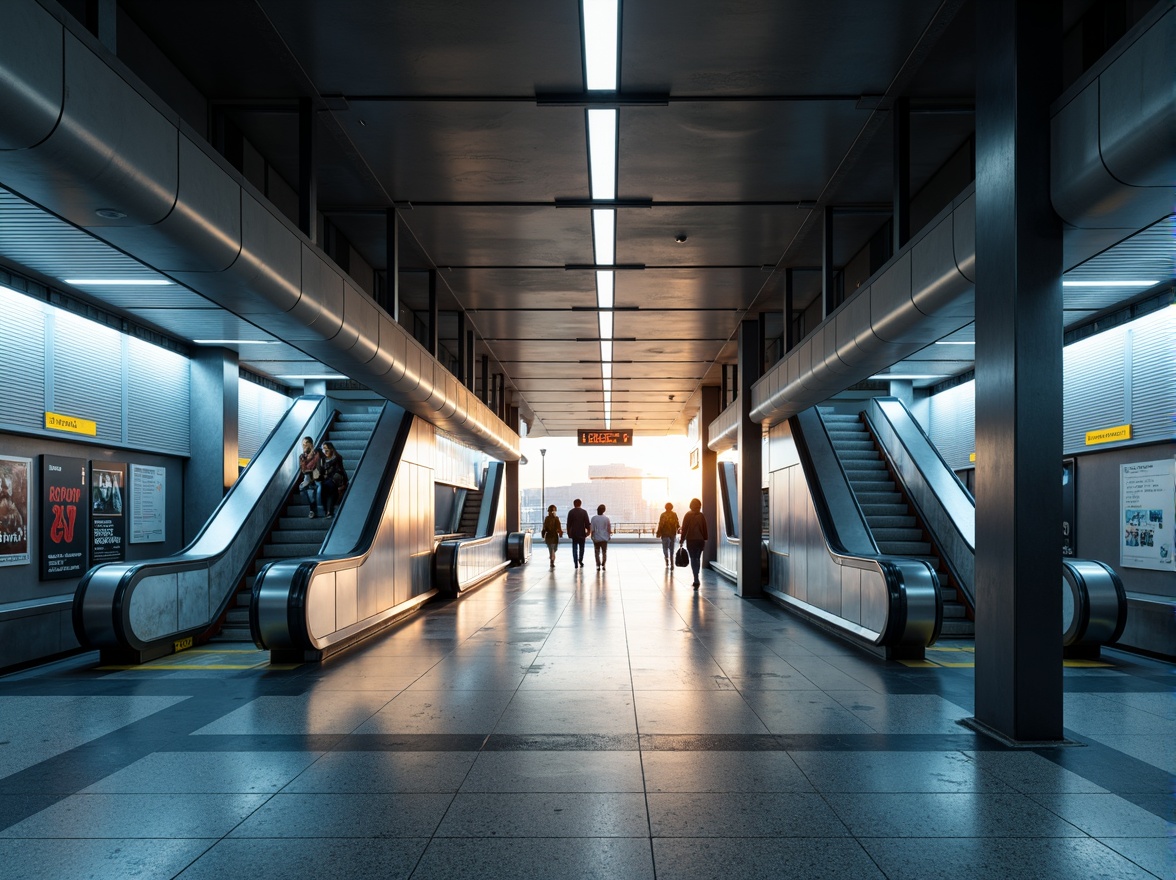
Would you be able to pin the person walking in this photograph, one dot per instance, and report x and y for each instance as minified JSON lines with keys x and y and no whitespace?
{"x":694,"y":536}
{"x":578,"y":527}
{"x":601,"y":532}
{"x":552,"y":532}
{"x":308,"y":463}
{"x":667,"y":530}
{"x":333,"y":482}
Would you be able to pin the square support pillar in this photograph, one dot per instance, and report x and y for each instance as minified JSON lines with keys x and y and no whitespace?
{"x":751,"y":489}
{"x":1018,"y":374}
{"x":709,"y":467}
{"x":212,"y":435}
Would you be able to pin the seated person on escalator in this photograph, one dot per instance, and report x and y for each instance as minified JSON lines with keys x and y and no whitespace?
{"x":332,"y":477}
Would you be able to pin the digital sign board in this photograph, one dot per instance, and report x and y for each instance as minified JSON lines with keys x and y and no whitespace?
{"x":591,"y":437}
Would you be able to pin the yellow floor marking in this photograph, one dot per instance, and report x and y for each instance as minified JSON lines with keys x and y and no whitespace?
{"x":917,"y":664}
{"x":1086,"y":664}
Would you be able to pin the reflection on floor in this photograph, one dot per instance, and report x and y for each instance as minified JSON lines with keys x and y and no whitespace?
{"x":578,"y":724}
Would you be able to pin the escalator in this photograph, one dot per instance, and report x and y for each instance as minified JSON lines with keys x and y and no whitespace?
{"x":877,"y":487}
{"x":296,"y":534}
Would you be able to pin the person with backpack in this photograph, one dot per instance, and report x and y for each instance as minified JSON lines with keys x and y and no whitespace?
{"x":667,"y":530}
{"x":694,"y":536}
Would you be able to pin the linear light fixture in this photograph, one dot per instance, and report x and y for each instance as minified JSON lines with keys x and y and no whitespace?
{"x":236,"y":342}
{"x":314,"y":376}
{"x":602,"y":153}
{"x":118,"y":282}
{"x":601,"y":44}
{"x":909,"y":376}
{"x":604,"y":236}
{"x":1139,"y":283}
{"x":953,"y":342}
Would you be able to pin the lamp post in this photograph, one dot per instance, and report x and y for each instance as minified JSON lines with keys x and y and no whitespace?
{"x":543,"y":482}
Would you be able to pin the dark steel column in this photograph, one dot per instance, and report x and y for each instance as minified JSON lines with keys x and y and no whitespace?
{"x":511,"y":489}
{"x":1018,"y":374}
{"x":102,"y":22}
{"x":469,"y":364}
{"x":709,"y":467}
{"x":751,"y":512}
{"x":307,"y":180}
{"x":485,"y":395}
{"x":789,"y":323}
{"x":828,"y":277}
{"x":212,"y":428}
{"x":392,"y":254}
{"x":461,"y":344}
{"x":724,"y":387}
{"x":434,"y":315}
{"x":901,"y":222}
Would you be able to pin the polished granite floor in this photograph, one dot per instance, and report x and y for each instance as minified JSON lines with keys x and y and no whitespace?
{"x":578,"y":724}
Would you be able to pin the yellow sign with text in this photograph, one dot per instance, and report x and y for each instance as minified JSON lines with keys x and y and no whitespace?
{"x":1108,"y":435}
{"x":58,"y":422}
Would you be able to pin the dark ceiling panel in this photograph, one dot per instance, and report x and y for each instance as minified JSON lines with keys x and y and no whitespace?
{"x":689,"y":288}
{"x":503,"y":236}
{"x":522,"y":288}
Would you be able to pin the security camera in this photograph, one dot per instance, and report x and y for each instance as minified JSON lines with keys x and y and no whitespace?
{"x":680,"y":237}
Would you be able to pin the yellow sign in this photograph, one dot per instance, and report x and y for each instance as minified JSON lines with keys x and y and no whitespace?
{"x":1108,"y":435}
{"x":183,"y":644}
{"x":58,"y":422}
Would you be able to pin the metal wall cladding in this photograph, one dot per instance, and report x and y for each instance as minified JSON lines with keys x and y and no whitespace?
{"x":1094,"y":386}
{"x":159,"y":398}
{"x":31,"y":75}
{"x":1153,"y":376}
{"x":258,"y":411}
{"x":951,"y":424}
{"x":22,"y":354}
{"x":86,"y":376}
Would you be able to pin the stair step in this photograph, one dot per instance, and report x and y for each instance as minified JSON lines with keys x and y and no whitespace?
{"x":305,"y":523}
{"x":298,"y":536}
{"x":957,"y":629}
{"x":898,"y":521}
{"x":848,"y":455}
{"x":904,"y":548}
{"x":954,"y":611}
{"x":879,"y":498}
{"x":289,"y":551}
{"x":872,"y":486}
{"x":892,"y":534}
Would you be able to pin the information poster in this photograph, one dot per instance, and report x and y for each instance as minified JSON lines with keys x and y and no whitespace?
{"x":14,"y":510}
{"x":1069,"y":508}
{"x":65,"y":523}
{"x":148,"y":504}
{"x":1148,"y":505}
{"x":108,"y":531}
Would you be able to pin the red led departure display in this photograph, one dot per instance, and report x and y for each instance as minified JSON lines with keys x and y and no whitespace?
{"x":589,"y":437}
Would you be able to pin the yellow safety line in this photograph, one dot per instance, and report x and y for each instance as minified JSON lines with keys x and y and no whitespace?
{"x":152,"y":667}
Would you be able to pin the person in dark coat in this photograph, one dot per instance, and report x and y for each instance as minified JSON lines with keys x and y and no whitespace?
{"x":694,"y":536}
{"x":667,"y":530}
{"x":552,"y":532}
{"x":578,"y":526}
{"x":333,"y":479}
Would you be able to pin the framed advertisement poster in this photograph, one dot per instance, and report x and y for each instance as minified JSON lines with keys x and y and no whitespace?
{"x":1147,"y":492}
{"x":65,"y":523}
{"x":148,"y":490}
{"x":14,"y":510}
{"x":1069,"y":507}
{"x":108,"y":530}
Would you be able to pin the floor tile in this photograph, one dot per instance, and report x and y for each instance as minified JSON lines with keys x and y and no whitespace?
{"x":362,"y":814}
{"x":439,"y":712}
{"x":139,"y":816}
{"x":743,"y":814}
{"x":947,"y":814}
{"x":585,"y":858}
{"x":722,"y":772}
{"x":315,"y":857}
{"x":784,"y":858}
{"x":804,"y":712}
{"x":895,"y":772}
{"x":695,"y":712}
{"x":316,"y":712}
{"x":555,"y":772}
{"x":563,"y":814}
{"x":543,"y":711}
{"x":1106,"y":815}
{"x":902,"y":713}
{"x":98,"y":859}
{"x":1029,"y":772}
{"x":975,"y":858}
{"x":355,"y":772}
{"x":1155,"y":854}
{"x":206,"y":772}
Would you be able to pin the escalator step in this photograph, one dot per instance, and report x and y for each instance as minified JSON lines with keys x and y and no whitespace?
{"x":289,"y":551}
{"x":904,"y":548}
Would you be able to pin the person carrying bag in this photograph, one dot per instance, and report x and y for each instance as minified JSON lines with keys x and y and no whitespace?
{"x":332,"y":478}
{"x":667,"y":530}
{"x":694,"y":536}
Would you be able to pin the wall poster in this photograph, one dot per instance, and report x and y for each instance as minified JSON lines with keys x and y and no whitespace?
{"x":14,"y":510}
{"x":65,"y":523}
{"x":1069,"y":507}
{"x":1148,"y":505}
{"x":108,"y":530}
{"x":148,"y":504}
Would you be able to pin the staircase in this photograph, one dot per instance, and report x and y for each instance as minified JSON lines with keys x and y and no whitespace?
{"x":295,"y":534}
{"x":892,"y":522}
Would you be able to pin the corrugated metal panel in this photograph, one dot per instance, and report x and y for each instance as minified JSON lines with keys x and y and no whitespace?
{"x":952,"y":424}
{"x":1093,"y":386}
{"x":22,"y":361}
{"x":87,"y":373}
{"x":258,"y":411}
{"x":158,"y":397}
{"x":1153,"y":376}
